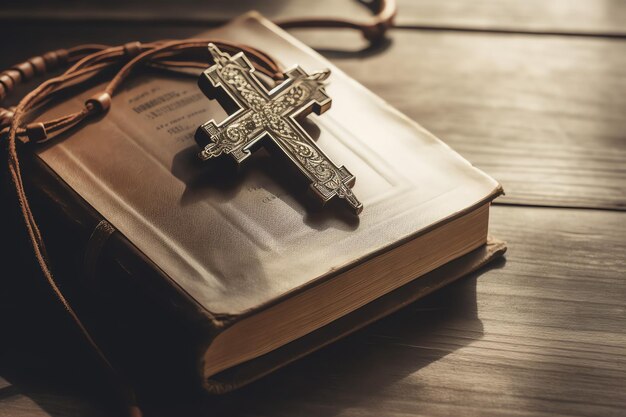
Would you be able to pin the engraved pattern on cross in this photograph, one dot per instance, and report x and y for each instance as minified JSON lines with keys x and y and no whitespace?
{"x":260,"y":113}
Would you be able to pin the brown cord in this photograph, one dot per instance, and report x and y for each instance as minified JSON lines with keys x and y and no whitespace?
{"x":91,"y":60}
{"x":372,"y":30}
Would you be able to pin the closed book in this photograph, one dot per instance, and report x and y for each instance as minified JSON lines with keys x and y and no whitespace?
{"x":261,"y":273}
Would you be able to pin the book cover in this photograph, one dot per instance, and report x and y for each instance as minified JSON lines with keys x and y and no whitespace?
{"x":235,"y":245}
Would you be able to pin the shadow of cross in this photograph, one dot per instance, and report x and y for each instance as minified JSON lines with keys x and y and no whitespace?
{"x":256,"y":113}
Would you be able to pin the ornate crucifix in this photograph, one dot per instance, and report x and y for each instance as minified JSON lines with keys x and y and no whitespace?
{"x":259,"y":113}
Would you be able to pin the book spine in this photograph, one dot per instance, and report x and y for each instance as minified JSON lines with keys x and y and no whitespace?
{"x":134,"y":310}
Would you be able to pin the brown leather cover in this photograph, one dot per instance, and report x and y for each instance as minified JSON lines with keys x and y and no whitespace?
{"x":235,"y":243}
{"x":218,"y":247}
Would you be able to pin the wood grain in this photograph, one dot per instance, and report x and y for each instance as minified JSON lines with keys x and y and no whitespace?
{"x":584,"y":17}
{"x":182,"y":10}
{"x":545,"y":116}
{"x":543,"y":333}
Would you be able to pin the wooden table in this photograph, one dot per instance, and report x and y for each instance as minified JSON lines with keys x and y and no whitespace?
{"x":532,"y":92}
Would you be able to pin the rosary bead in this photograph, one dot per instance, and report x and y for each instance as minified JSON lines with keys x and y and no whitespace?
{"x":36,"y":132}
{"x":26,"y":69}
{"x":132,"y":49}
{"x":52,"y":60}
{"x":16,"y":75}
{"x":100,"y":103}
{"x":6,"y":115}
{"x":7,"y":81}
{"x":62,"y":56}
{"x":39,"y":64}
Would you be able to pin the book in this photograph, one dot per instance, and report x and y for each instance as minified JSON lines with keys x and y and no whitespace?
{"x":264,"y":275}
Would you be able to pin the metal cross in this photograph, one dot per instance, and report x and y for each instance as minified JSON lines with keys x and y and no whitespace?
{"x":258,"y":113}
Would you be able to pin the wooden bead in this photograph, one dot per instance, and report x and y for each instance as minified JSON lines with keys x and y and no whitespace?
{"x":52,"y":60}
{"x":132,"y":49}
{"x":39,"y":64}
{"x":36,"y":132}
{"x":7,"y":81}
{"x":62,"y":56}
{"x":26,"y":69}
{"x":17,"y":77}
{"x":99,"y":103}
{"x":6,"y":115}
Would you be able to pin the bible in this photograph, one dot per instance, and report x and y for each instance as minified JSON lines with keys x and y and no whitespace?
{"x":263,"y":275}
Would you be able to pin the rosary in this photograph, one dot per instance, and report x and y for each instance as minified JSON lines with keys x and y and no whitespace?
{"x":259,"y":113}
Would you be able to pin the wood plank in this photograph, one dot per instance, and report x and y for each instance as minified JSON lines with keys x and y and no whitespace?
{"x":595,"y":17}
{"x":19,"y":402}
{"x":591,"y":17}
{"x":183,"y":10}
{"x":542,"y":333}
{"x":546,"y":116}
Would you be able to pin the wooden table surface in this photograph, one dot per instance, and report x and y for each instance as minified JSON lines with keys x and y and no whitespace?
{"x":532,"y":92}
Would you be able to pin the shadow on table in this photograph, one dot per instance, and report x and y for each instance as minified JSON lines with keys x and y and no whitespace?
{"x":45,"y":369}
{"x":47,"y":363}
{"x":348,"y":373}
